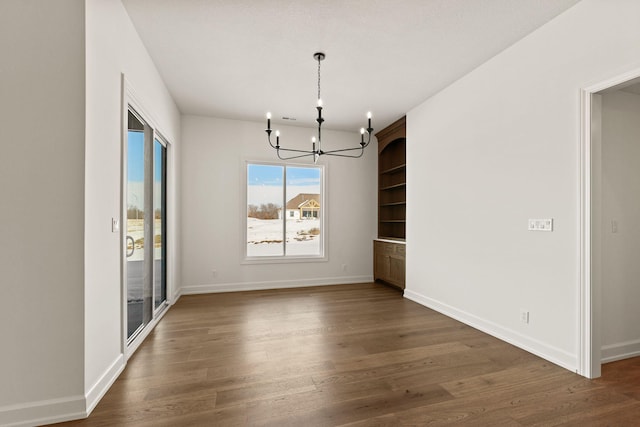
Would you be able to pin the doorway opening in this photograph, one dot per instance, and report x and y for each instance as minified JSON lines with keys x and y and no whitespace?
{"x":610,"y":238}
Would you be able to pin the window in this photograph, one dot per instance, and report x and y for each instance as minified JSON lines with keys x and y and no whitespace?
{"x":284,"y":211}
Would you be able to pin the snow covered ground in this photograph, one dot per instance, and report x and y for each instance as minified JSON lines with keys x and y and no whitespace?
{"x":135,"y":230}
{"x":264,"y":237}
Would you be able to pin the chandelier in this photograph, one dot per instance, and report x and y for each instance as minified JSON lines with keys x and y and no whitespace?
{"x":316,"y":143}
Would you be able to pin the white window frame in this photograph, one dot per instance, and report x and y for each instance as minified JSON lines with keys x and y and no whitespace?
{"x":323,"y":256}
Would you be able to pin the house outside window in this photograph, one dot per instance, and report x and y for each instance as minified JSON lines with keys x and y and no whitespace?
{"x":284,"y":217}
{"x":304,"y":205}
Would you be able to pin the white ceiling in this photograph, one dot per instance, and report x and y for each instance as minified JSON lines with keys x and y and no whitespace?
{"x":239,"y":59}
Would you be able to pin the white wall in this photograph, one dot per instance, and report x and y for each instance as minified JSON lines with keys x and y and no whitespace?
{"x":497,"y":147}
{"x":213,"y":207}
{"x":620,"y":240}
{"x":42,"y":102}
{"x":113,"y":48}
{"x":61,"y":109}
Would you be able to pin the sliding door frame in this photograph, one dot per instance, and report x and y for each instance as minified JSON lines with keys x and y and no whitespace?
{"x":131,"y":102}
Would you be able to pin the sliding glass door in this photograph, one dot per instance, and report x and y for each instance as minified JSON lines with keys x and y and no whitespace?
{"x":145,"y":224}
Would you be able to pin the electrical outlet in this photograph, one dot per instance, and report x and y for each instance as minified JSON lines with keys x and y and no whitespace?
{"x":541,"y":224}
{"x":115,"y":225}
{"x":214,"y":273}
{"x":524,"y":316}
{"x":344,"y":267}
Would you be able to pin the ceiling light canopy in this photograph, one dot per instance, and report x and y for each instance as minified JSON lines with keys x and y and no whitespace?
{"x":316,"y":142}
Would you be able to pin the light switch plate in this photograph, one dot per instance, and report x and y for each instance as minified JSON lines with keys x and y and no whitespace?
{"x":115,"y":225}
{"x":541,"y":224}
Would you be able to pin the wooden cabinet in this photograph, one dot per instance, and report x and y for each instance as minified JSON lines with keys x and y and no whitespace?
{"x":389,"y":262}
{"x":389,"y":249}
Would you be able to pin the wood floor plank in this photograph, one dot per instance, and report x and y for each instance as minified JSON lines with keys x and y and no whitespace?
{"x":349,"y":355}
{"x":345,"y":411}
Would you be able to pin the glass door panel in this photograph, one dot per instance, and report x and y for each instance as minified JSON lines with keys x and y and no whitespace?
{"x":159,"y":224}
{"x":135,"y":235}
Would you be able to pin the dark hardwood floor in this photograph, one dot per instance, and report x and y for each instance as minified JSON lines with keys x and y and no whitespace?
{"x":357,"y":355}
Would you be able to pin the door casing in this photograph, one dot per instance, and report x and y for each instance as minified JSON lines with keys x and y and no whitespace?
{"x":590,"y":290}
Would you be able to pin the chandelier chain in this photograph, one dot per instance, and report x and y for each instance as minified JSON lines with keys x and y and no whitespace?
{"x":319,"y":78}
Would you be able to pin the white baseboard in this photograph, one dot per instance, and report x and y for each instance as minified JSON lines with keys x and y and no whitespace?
{"x":63,"y":409}
{"x":100,"y":388}
{"x":275,"y":284}
{"x":43,"y":412}
{"x":547,"y":352}
{"x":69,"y":408}
{"x":176,"y":296}
{"x":620,"y":351}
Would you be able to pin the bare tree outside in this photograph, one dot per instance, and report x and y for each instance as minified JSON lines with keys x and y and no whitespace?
{"x":264,"y":211}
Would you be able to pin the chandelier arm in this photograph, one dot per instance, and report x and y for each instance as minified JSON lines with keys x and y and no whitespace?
{"x":368,"y":138}
{"x":361,"y":147}
{"x":331,"y":153}
{"x":296,"y":151}
{"x":269,"y":139}
{"x":342,"y":150}
{"x":293,"y":157}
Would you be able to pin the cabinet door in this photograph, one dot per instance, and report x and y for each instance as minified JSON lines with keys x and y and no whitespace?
{"x":396,"y":271}
{"x":380,"y":262}
{"x":389,"y":263}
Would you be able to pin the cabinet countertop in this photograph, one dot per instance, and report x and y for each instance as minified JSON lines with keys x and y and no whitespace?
{"x":400,"y":242}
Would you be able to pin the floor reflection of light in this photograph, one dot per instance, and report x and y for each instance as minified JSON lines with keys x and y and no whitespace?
{"x":269,"y":324}
{"x":250,"y":336}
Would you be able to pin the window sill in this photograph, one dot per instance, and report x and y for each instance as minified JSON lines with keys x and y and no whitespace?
{"x":283,"y":260}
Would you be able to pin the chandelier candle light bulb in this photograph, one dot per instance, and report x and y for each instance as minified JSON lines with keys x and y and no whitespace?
{"x":316,"y":153}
